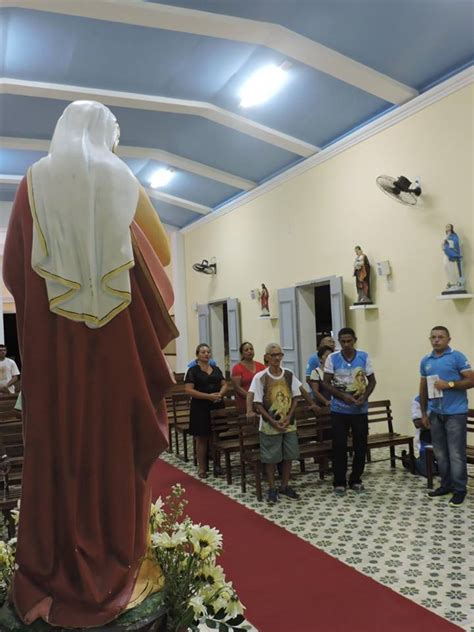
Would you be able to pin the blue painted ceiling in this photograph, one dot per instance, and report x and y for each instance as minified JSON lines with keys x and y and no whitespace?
{"x":416,"y":42}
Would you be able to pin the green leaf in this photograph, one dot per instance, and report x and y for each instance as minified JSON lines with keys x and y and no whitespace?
{"x":223,"y":627}
{"x":211,"y":624}
{"x":220,"y":614}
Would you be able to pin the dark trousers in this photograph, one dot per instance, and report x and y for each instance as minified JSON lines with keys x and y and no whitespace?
{"x":358,"y":424}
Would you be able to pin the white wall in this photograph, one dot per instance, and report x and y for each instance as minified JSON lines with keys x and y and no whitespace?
{"x":307,"y":228}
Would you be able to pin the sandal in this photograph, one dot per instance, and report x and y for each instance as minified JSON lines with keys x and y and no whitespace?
{"x":202,"y":474}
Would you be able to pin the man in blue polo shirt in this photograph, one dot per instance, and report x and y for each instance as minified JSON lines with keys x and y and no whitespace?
{"x":350,"y":379}
{"x":446,"y":375}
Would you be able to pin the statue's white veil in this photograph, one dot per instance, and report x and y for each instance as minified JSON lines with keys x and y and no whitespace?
{"x":83,"y":199}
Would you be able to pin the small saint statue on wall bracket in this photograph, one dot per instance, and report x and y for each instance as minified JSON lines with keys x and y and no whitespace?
{"x":362,"y":277}
{"x":453,"y":262}
{"x":264,"y":297}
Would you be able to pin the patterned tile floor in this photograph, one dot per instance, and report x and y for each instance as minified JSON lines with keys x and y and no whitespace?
{"x":392,"y":532}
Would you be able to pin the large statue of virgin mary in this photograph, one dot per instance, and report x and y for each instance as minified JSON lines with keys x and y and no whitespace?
{"x":84,"y":259}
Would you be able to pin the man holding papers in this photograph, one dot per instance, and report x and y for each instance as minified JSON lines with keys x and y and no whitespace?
{"x":446,"y":375}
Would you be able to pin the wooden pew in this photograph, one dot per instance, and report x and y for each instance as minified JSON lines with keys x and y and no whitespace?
{"x":181,"y":402}
{"x":314,"y":441}
{"x":225,"y":436}
{"x":179,"y":377}
{"x":7,"y":402}
{"x":381,"y":412}
{"x":177,"y":388}
{"x":11,"y":434}
{"x":249,"y":449}
{"x":169,"y":412}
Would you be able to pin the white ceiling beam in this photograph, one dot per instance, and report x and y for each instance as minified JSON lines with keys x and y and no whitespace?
{"x":156,"y":195}
{"x":287,"y":42}
{"x":9,"y":179}
{"x":177,"y":201}
{"x":144,"y":153}
{"x":159,"y":104}
{"x":25,"y":144}
{"x":179,"y":162}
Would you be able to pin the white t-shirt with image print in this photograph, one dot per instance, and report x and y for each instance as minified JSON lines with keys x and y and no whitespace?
{"x":8,"y":369}
{"x":276,"y":394}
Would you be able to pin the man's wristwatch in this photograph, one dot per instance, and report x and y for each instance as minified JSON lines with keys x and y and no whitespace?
{"x":451,"y":384}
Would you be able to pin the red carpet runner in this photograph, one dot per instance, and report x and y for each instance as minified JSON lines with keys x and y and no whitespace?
{"x":287,"y":584}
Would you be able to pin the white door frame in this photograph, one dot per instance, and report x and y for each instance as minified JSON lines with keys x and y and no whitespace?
{"x":216,"y":326}
{"x":289,"y":334}
{"x":216,"y":332}
{"x":305,"y":315}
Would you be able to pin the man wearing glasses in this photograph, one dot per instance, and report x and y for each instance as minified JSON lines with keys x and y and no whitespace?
{"x":274,"y":391}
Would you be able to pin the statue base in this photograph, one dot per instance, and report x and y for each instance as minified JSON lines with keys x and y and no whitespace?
{"x":147,"y":617}
{"x":363,"y":306}
{"x":454,"y":291}
{"x":363,"y":303}
{"x":454,"y":296}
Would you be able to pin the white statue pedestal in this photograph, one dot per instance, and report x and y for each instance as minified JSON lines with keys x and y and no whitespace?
{"x":364,"y":306}
{"x":454,"y":297}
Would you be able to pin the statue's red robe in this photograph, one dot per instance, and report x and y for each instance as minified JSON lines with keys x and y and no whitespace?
{"x":94,"y":423}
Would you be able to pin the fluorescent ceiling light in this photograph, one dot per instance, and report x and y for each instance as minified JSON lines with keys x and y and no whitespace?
{"x":263,"y":84}
{"x":161,"y":178}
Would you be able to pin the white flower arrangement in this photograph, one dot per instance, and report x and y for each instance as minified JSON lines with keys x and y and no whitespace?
{"x":7,"y":566}
{"x":196,"y":590}
{"x":7,"y":558}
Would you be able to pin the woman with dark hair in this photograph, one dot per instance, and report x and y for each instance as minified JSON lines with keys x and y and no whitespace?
{"x":207,"y":387}
{"x":242,"y":374}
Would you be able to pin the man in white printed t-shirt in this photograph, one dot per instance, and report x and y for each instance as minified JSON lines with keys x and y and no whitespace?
{"x":9,"y":373}
{"x":274,"y":393}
